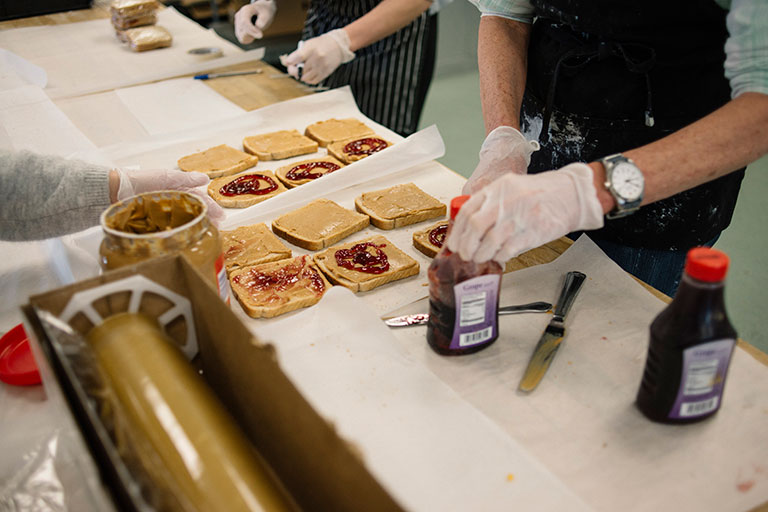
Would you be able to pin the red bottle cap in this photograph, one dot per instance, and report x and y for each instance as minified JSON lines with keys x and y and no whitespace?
{"x":706,"y":264}
{"x":456,"y":204}
{"x":17,"y":365}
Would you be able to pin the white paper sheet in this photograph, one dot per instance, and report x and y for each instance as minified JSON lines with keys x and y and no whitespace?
{"x":581,"y":422}
{"x":29,"y":120}
{"x":16,"y":71}
{"x":428,"y":447}
{"x":86,"y":57}
{"x":173,"y":105}
{"x":133,"y":113}
{"x":407,"y":161}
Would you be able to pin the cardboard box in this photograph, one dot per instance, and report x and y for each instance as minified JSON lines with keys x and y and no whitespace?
{"x":311,"y":460}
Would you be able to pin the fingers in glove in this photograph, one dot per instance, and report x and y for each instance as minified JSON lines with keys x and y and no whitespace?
{"x":511,"y":248}
{"x":294,"y":58}
{"x":469,"y":227}
{"x":215,"y":212}
{"x":312,"y":76}
{"x":190,"y":179}
{"x":493,"y":241}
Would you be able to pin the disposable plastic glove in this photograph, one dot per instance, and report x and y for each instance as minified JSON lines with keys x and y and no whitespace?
{"x":505,"y":150}
{"x":517,"y":213}
{"x":264,"y":10}
{"x":134,"y":182}
{"x":320,"y":55}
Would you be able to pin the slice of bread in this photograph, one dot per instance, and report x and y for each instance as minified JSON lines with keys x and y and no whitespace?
{"x":305,"y":171}
{"x":129,"y":8}
{"x":251,"y":245}
{"x":245,"y":189}
{"x":318,"y":224}
{"x":400,"y":264}
{"x":274,"y":288}
{"x":357,"y":148}
{"x":332,"y":130}
{"x":141,"y":20}
{"x":399,"y":206}
{"x":149,"y":37}
{"x":218,"y":161}
{"x":279,"y":145}
{"x":425,"y":239}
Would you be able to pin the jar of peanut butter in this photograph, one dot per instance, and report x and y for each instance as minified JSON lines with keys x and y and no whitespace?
{"x":160,"y":223}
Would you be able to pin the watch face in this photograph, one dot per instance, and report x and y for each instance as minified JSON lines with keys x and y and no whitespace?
{"x":627,"y":181}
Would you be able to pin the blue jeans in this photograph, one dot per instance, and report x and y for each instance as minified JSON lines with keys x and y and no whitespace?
{"x":659,"y":268}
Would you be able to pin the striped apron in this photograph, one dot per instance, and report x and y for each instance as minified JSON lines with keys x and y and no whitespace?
{"x":389,"y":78}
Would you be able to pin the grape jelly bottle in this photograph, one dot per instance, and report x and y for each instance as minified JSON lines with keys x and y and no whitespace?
{"x":463,"y":300}
{"x":691,"y":345}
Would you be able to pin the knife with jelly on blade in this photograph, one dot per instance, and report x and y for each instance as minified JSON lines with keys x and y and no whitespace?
{"x":422,"y":318}
{"x":553,"y":335}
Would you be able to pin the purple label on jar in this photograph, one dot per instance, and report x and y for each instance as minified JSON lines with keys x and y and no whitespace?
{"x":703,"y":378}
{"x":476,"y":301}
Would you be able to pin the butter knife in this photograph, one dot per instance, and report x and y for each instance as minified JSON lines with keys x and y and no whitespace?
{"x":422,"y":318}
{"x":553,"y":335}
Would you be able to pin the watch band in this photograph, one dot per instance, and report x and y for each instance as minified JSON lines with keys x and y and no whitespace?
{"x":624,"y":206}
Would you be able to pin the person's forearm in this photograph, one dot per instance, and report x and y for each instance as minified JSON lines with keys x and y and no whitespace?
{"x":502,"y":57}
{"x":725,"y":140}
{"x":385,"y":19}
{"x":45,"y":196}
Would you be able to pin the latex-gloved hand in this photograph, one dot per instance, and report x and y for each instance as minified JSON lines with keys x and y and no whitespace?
{"x":517,"y":213}
{"x":245,"y":30}
{"x":134,"y":182}
{"x":505,"y":150}
{"x":320,"y":55}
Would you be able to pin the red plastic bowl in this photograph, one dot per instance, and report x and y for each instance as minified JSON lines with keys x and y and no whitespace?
{"x":17,"y":365}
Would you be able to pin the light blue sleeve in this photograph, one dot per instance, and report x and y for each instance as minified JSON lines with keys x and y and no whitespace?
{"x":746,"y":49}
{"x":518,"y":10}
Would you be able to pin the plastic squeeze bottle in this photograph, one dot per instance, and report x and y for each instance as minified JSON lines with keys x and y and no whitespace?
{"x":691,"y":345}
{"x":463,"y":300}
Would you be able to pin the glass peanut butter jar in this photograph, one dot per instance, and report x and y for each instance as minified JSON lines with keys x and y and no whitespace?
{"x":160,"y":223}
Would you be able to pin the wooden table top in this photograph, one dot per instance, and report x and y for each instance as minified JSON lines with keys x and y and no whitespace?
{"x":254,"y":91}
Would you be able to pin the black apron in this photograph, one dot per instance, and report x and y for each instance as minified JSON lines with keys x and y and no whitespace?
{"x":388,"y":78}
{"x":606,"y":76}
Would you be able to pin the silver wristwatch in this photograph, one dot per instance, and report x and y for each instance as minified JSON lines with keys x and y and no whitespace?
{"x":625,"y":182}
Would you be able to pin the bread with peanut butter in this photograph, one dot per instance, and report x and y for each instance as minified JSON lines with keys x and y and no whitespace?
{"x":430,"y":240}
{"x":251,"y":245}
{"x":218,"y":161}
{"x":279,"y":145}
{"x":277,"y":287}
{"x":332,"y":130}
{"x":318,"y":224}
{"x":366,"y":264}
{"x":245,"y":189}
{"x":299,"y":173}
{"x":399,"y":206}
{"x":356,"y":148}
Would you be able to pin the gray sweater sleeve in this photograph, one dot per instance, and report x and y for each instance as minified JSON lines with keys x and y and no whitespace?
{"x":46,"y":196}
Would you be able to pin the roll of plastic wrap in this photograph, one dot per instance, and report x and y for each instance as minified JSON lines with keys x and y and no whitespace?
{"x":184,"y":433}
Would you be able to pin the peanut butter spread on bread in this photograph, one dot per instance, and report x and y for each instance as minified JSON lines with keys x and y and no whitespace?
{"x":399,"y":201}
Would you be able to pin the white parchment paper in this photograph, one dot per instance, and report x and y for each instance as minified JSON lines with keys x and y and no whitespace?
{"x":86,"y":57}
{"x":581,"y":422}
{"x":16,"y":71}
{"x":30,"y":120}
{"x":408,"y":160}
{"x":429,"y":448}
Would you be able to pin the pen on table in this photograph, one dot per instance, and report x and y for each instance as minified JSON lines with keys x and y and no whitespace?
{"x":233,"y":73}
